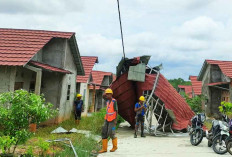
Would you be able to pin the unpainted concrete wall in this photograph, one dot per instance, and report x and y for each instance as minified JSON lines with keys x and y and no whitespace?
{"x":38,"y":56}
{"x":51,"y":87}
{"x":66,"y":106}
{"x":215,"y":100}
{"x":53,"y":52}
{"x":24,"y":75}
{"x":206,"y":91}
{"x":7,"y":78}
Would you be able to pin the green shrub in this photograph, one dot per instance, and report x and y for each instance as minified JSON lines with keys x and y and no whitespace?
{"x":29,"y":151}
{"x":5,"y":143}
{"x":226,"y":108}
{"x":40,"y":111}
{"x":17,"y":109}
{"x":195,"y":103}
{"x":44,"y":146}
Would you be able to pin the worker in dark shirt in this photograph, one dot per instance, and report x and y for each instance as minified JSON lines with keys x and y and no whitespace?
{"x":78,"y":104}
{"x":140,"y":109}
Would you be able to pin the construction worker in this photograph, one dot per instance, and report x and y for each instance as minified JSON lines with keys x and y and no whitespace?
{"x":78,"y":104}
{"x":140,"y":109}
{"x":109,"y":127}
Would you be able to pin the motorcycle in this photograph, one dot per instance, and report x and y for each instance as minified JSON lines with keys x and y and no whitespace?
{"x":229,"y":139}
{"x":196,"y":131}
{"x":219,"y":138}
{"x":215,"y":130}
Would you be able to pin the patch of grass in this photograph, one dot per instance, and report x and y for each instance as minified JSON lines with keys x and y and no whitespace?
{"x":83,"y":146}
{"x":93,"y":123}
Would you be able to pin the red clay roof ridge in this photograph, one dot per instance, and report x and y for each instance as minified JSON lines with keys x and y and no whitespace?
{"x":36,"y":30}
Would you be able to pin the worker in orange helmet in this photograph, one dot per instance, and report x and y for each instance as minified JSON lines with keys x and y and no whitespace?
{"x":109,"y":127}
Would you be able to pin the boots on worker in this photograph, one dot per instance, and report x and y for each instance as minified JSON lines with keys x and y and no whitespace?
{"x":142,"y":129}
{"x":142,"y":134}
{"x":104,"y":146}
{"x":135,"y":135}
{"x":115,"y":145}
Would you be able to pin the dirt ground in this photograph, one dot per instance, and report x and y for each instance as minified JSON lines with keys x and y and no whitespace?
{"x":177,"y":145}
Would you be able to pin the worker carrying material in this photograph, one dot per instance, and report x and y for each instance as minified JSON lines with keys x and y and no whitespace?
{"x":78,"y":104}
{"x":109,"y":127}
{"x":140,"y":109}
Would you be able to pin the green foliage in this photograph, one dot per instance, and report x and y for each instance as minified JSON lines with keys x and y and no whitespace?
{"x":6,"y":142}
{"x":195,"y":103}
{"x":39,"y":110}
{"x":179,"y":81}
{"x":29,"y":151}
{"x":226,"y":108}
{"x":17,"y":109}
{"x":44,"y":146}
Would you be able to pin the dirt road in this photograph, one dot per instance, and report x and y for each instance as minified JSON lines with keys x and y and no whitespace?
{"x":174,"y":146}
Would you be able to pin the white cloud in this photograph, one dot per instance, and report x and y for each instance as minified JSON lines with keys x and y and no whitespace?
{"x":178,"y":33}
{"x":40,"y":6}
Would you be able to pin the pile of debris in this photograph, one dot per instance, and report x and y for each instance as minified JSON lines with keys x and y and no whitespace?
{"x":167,"y":110}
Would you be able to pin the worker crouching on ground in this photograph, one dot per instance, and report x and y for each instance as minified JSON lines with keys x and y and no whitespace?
{"x":78,"y":104}
{"x":109,"y":127}
{"x":140,"y":109}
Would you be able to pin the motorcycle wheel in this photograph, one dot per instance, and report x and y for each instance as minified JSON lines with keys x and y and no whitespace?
{"x":196,"y":137}
{"x":229,"y":147}
{"x":219,"y":147}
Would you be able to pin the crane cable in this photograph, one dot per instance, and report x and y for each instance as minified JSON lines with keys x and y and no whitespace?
{"x":119,"y":14}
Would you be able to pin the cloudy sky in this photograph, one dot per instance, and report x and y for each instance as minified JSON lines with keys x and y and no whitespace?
{"x":181,"y":34}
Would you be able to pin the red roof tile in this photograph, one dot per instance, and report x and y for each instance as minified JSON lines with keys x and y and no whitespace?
{"x":196,"y":85}
{"x":98,"y":77}
{"x":49,"y":67}
{"x":225,"y":66}
{"x":187,"y":89}
{"x":18,"y":46}
{"x":88,"y":63}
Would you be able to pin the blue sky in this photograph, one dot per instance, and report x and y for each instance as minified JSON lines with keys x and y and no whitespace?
{"x":181,"y":34}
